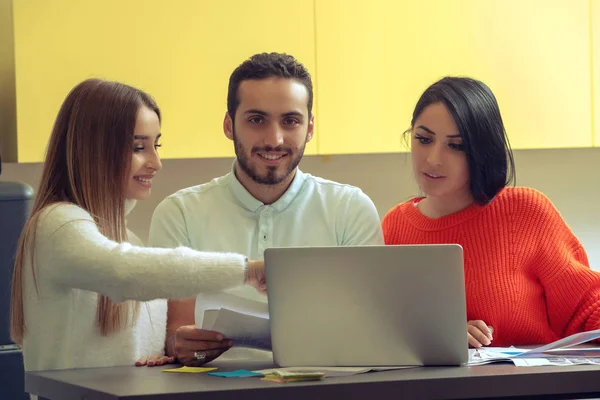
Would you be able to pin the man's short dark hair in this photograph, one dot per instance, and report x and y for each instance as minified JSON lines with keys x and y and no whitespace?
{"x":263,"y":66}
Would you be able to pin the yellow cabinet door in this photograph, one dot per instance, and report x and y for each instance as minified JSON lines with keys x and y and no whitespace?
{"x":181,"y":52}
{"x":375,"y":58}
{"x":595,"y":23}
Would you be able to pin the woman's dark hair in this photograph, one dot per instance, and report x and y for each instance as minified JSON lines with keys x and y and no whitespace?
{"x":475,"y":111}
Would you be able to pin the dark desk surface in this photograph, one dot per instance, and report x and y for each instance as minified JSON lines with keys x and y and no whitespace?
{"x":491,"y":381}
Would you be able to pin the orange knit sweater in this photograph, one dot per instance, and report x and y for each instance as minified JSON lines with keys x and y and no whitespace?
{"x":526,"y":274}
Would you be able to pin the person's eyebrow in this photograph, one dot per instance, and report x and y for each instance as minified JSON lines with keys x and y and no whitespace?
{"x":293,"y":114}
{"x":433,"y":133}
{"x":255,"y":111}
{"x":145,"y":137}
{"x":426,"y":129}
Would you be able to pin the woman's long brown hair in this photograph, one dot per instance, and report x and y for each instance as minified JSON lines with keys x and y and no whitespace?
{"x":87,"y":164}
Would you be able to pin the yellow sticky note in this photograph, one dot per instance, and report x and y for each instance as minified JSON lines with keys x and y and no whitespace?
{"x":191,"y":370}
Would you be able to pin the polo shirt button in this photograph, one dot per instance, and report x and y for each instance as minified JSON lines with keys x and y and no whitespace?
{"x":265,"y":213}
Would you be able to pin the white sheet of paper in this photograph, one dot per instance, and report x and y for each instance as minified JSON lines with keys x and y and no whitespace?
{"x":216,"y":301}
{"x":210,"y":316}
{"x":531,"y":362}
{"x":573,"y":340}
{"x":331,"y":372}
{"x":574,"y":352}
{"x":555,"y":361}
{"x":243,"y":329}
{"x":564,"y":348}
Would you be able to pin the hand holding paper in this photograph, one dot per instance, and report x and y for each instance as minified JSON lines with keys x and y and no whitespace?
{"x":189,"y":340}
{"x":244,"y":321}
{"x":243,"y":329}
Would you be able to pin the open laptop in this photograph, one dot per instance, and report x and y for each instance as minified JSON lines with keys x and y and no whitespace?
{"x":367,"y":305}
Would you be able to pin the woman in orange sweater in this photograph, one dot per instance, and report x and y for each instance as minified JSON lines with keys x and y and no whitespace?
{"x":527,"y":277}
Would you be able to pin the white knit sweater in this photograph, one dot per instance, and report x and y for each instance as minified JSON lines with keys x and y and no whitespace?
{"x":74,"y":262}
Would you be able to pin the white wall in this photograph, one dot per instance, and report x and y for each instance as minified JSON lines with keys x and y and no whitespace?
{"x":570,"y":178}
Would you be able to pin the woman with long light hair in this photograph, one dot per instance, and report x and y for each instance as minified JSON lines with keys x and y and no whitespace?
{"x":82,"y":294}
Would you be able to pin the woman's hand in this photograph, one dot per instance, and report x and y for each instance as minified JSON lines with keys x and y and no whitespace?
{"x":256,"y":276}
{"x":480,"y":334}
{"x":154,"y":360}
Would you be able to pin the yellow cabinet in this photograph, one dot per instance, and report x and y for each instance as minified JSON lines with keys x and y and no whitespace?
{"x":595,"y":21}
{"x":181,"y":52}
{"x":8,"y":120}
{"x":375,"y":58}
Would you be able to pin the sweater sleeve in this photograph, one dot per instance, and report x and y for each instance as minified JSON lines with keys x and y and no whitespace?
{"x":70,"y":252}
{"x":571,"y":287}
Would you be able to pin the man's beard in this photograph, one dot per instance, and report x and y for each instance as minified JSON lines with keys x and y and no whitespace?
{"x":243,"y":160}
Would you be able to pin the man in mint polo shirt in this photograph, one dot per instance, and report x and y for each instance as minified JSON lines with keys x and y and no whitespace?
{"x":265,"y":201}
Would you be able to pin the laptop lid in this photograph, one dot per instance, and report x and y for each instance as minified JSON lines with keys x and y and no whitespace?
{"x":367,"y":305}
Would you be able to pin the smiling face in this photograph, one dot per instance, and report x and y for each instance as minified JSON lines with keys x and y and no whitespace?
{"x":439,"y":161}
{"x":145,"y":161}
{"x":270,"y":131}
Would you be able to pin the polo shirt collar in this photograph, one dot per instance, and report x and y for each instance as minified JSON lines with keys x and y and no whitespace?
{"x":252,"y":204}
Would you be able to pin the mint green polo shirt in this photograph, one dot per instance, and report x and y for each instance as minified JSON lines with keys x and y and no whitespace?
{"x":222,"y":215}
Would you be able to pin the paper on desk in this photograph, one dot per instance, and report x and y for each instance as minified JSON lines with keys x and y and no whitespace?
{"x":574,"y":352}
{"x":330,"y":372}
{"x":280,"y":376}
{"x":240,"y":373}
{"x":536,"y":356}
{"x":555,"y":361}
{"x":573,"y":340}
{"x":488,"y":355}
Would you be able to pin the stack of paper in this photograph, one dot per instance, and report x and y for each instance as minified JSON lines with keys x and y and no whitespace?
{"x":560,"y":352}
{"x":293,"y":376}
{"x":244,"y":321}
